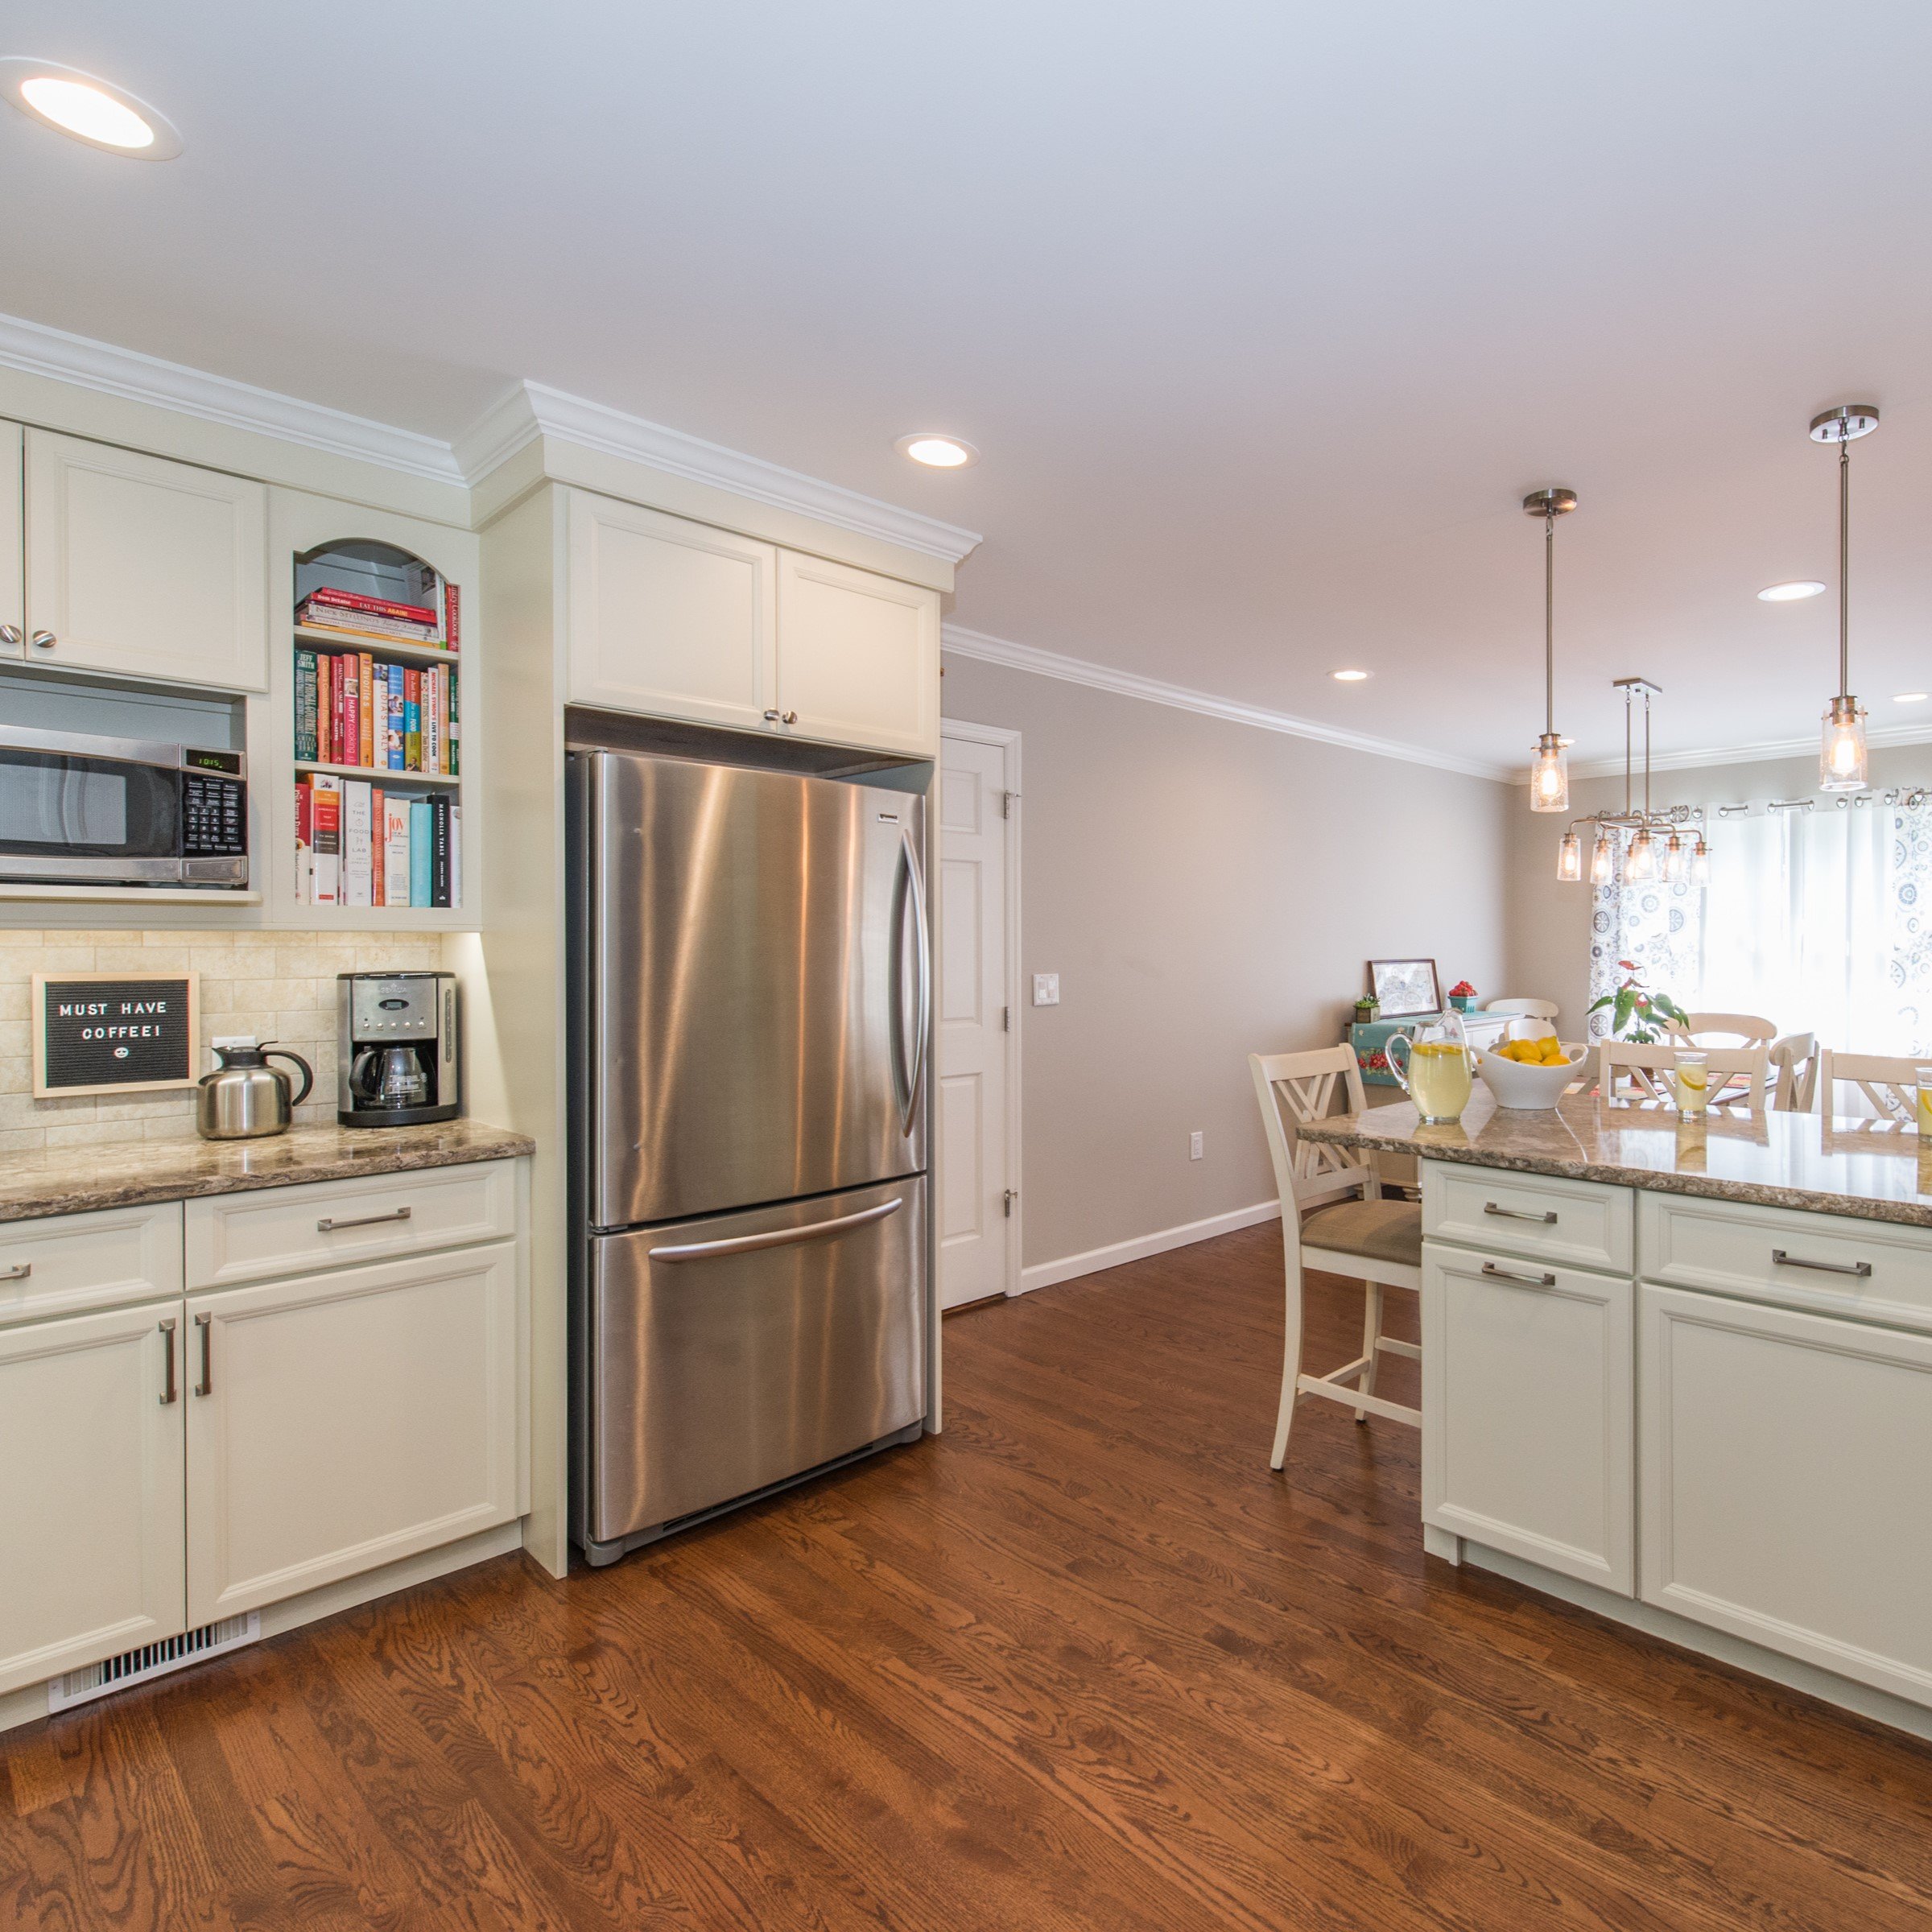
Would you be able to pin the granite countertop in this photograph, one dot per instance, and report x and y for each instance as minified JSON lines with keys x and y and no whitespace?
{"x":77,"y":1180}
{"x":1873,"y":1168}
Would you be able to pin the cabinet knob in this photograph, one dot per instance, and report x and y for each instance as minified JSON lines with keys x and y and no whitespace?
{"x":43,"y":640}
{"x":10,"y":634}
{"x":780,"y":717}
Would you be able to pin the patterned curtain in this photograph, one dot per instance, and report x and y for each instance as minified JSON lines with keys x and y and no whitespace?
{"x":1659,"y":926}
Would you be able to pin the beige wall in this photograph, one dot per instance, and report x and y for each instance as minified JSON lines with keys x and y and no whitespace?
{"x":1550,"y":922}
{"x":276,"y":985}
{"x":1205,"y":889}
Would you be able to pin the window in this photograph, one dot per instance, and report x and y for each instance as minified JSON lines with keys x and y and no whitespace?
{"x":1819,"y":920}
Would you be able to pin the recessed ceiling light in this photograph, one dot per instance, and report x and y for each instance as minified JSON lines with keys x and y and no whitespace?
{"x":1348,"y":677}
{"x":936,"y":451}
{"x":1790,"y":593}
{"x":89,"y":109}
{"x":1912,"y":697}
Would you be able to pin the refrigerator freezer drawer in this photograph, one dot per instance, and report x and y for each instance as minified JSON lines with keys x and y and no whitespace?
{"x":728,"y":1353}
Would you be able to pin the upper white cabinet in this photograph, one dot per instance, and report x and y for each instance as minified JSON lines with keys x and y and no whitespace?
{"x":675,"y":619}
{"x":670,"y":617}
{"x":13,"y":582}
{"x":858,"y":656}
{"x":137,"y":565}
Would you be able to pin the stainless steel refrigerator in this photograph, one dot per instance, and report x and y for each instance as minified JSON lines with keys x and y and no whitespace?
{"x":751,"y":1004}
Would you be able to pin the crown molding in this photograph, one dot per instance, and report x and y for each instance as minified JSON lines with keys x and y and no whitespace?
{"x":531,"y":410}
{"x":1153,"y":690}
{"x":37,"y":350}
{"x":1878,"y":738}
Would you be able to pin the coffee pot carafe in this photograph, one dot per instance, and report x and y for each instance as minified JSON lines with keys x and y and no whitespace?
{"x":397,"y":1048}
{"x":245,"y":1097}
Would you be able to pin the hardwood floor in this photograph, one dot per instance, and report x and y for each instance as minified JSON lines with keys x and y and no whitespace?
{"x":1082,"y":1663}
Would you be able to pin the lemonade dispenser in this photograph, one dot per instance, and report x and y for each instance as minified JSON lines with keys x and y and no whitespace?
{"x":1434,"y":1067}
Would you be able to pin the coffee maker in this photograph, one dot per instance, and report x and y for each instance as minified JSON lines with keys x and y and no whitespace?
{"x":397,"y":1064}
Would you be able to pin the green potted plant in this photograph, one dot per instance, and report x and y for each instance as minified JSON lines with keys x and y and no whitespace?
{"x":1639,"y":1014}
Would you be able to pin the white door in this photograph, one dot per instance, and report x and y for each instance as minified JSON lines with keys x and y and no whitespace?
{"x":1526,"y":1411}
{"x":13,"y":592}
{"x":975,"y":1048}
{"x":1783,"y":1458}
{"x":90,"y":1495}
{"x":669,"y":617}
{"x":134,"y":563}
{"x":858,"y":656}
{"x":337,"y":1421}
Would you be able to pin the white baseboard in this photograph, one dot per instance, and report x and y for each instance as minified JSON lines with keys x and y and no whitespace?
{"x":1044,"y":1274}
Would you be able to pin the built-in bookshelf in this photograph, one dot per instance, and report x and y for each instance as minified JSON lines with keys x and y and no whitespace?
{"x":373,"y":825}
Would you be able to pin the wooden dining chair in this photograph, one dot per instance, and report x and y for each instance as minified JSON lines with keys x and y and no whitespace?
{"x":1794,"y":1072}
{"x":1888,"y":1082}
{"x":1725,"y":1029}
{"x":1532,"y":1009}
{"x":1333,"y":1219}
{"x":1739,"y":1075}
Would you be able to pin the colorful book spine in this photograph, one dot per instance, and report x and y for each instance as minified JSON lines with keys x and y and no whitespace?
{"x":455,"y":855}
{"x":378,"y":851}
{"x":357,"y":881}
{"x":455,"y":728}
{"x":422,"y":848}
{"x":393,"y":745}
{"x":451,"y":631}
{"x":325,"y":707}
{"x":365,"y":738}
{"x":438,"y":826}
{"x":352,"y":710}
{"x":305,"y":706}
{"x":375,"y":607}
{"x":328,"y":822}
{"x":305,"y":841}
{"x":412,"y":720}
{"x":429,"y":720}
{"x":395,"y":849}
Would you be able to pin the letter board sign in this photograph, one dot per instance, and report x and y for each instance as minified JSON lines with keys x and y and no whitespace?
{"x":114,"y":1032}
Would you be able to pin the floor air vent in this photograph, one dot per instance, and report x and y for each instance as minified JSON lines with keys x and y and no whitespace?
{"x":151,"y":1659}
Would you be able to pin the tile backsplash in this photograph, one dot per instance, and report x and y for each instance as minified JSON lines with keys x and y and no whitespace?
{"x":276,"y":985}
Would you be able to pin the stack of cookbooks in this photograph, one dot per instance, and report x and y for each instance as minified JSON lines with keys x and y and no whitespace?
{"x":359,"y":845}
{"x":350,"y":613}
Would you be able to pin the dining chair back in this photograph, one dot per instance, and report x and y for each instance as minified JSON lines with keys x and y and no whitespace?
{"x":1739,"y":1075}
{"x":1888,"y":1082}
{"x":1794,"y":1072}
{"x":1727,"y":1029}
{"x":1533,"y":1009}
{"x":1366,"y":1238}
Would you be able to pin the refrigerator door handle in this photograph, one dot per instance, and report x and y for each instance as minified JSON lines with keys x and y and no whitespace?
{"x":916,"y":891}
{"x":775,"y":1237}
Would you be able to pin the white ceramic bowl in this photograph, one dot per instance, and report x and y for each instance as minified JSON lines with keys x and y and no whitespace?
{"x":1529,"y":1087}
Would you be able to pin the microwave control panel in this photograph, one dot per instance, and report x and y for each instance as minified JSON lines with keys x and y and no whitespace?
{"x":214,"y":815}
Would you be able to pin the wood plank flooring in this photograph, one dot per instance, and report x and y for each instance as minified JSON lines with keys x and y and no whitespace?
{"x":1082,"y":1663}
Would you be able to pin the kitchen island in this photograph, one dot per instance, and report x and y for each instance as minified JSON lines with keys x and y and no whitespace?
{"x":1680,"y":1372}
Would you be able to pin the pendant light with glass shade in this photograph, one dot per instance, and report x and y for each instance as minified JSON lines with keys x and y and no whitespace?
{"x":1668,"y":844}
{"x":1841,"y":760}
{"x":1549,"y":775}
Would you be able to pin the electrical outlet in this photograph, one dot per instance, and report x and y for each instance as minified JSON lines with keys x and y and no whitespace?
{"x":1196,"y":1145}
{"x":1045,"y":989}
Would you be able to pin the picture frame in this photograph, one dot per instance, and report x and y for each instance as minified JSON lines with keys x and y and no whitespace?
{"x":1405,"y":989}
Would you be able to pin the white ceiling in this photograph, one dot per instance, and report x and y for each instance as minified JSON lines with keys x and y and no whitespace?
{"x":1265,"y":316}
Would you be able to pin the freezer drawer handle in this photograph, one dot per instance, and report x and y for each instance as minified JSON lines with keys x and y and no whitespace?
{"x":776,"y":1238}
{"x":326,"y":1226}
{"x":1860,"y":1269}
{"x":1517,"y":1214}
{"x":18,"y":1272}
{"x":1507,"y":1274}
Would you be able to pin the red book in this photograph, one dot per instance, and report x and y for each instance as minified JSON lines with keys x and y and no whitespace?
{"x":449,"y":616}
{"x":350,"y":599}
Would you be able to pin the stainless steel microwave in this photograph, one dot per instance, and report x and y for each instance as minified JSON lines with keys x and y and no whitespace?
{"x":121,"y":811}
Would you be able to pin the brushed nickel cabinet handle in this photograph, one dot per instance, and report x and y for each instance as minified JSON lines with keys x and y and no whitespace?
{"x":168,"y":1390}
{"x":1517,"y":1214}
{"x":43,"y":640}
{"x":775,"y":1237}
{"x":1860,"y":1269}
{"x":1529,"y":1281}
{"x":18,"y":1272}
{"x":326,"y":1226}
{"x":791,"y":717}
{"x":206,"y":1386}
{"x":10,"y":634}
{"x":780,"y":717}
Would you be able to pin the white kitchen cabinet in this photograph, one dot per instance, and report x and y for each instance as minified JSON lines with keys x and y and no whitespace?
{"x":13,"y":575}
{"x":670,"y":617}
{"x":138,"y":565}
{"x":339,"y":1421}
{"x":1527,"y":1411}
{"x":858,"y":657}
{"x":91,"y":1497}
{"x":1782,"y":1458}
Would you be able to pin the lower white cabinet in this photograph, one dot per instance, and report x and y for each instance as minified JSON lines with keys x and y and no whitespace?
{"x":340,"y":1421}
{"x":91,"y":1496}
{"x":1527,"y":1409}
{"x":1783,"y":1460}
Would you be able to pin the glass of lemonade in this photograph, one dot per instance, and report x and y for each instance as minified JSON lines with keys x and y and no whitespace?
{"x":1439,"y":1076}
{"x":1690,"y":1076}
{"x":1923,"y":1076}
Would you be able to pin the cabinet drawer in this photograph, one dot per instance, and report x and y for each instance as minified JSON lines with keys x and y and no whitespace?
{"x":252,"y":1237}
{"x":1872,"y":1271}
{"x":1782,"y":1459}
{"x":70,"y":1263}
{"x":1575,"y":1223}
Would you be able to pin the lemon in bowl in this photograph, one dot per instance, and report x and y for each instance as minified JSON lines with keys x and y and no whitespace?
{"x":1530,"y":1075}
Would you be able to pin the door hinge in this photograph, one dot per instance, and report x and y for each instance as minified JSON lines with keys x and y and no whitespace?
{"x":1005,"y":1019}
{"x":1006,"y":799}
{"x":1012,"y":1194}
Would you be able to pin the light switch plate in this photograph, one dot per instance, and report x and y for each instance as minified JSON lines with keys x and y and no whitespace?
{"x":1197,"y":1145}
{"x":1045,"y":989}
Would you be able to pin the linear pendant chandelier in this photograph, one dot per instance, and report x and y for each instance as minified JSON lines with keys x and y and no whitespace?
{"x":1657,"y":847}
{"x":1841,"y":759}
{"x":1549,"y":775}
